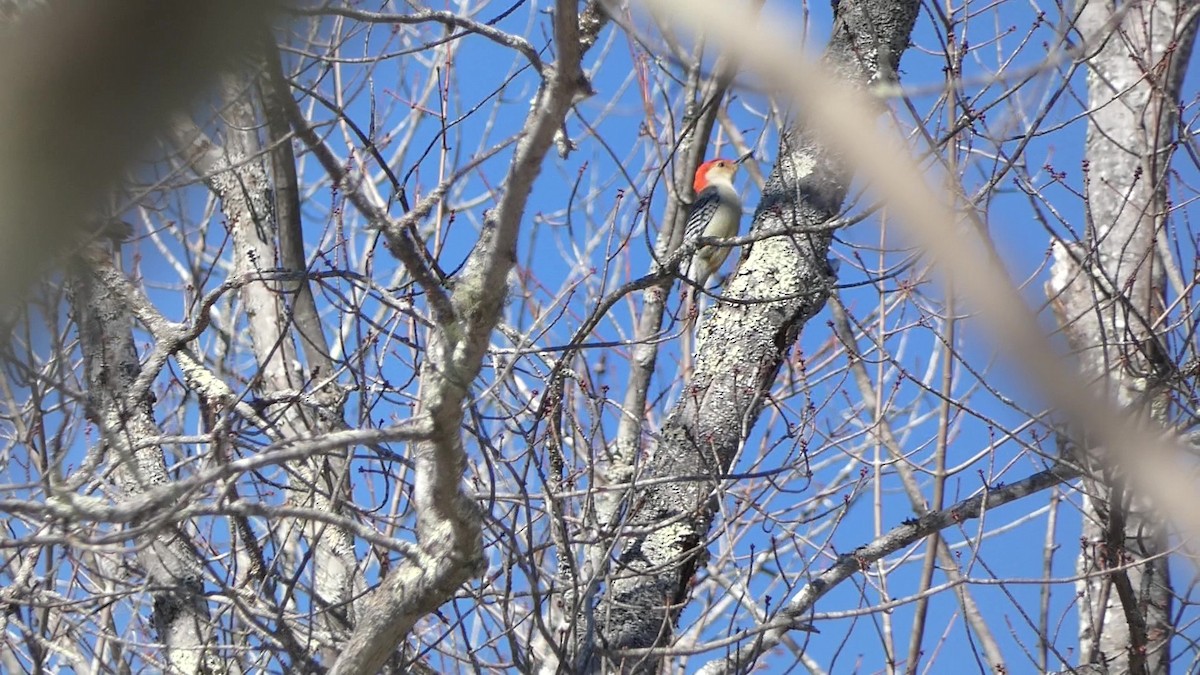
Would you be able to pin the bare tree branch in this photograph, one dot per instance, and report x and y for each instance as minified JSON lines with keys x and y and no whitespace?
{"x":448,"y":522}
{"x":739,"y":350}
{"x":792,"y":617}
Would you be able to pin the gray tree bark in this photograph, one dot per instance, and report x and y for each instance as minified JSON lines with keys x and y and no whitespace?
{"x":780,"y":284}
{"x":299,"y":402}
{"x":120,"y":405}
{"x":1108,"y":293}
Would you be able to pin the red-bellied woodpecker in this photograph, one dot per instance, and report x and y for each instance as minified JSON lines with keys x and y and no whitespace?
{"x":717,"y":213}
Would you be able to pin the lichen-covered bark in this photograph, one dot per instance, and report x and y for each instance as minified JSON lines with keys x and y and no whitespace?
{"x":781,"y":283}
{"x":1108,"y":292}
{"x":123,"y":414}
{"x":236,"y":171}
{"x":577,"y":622}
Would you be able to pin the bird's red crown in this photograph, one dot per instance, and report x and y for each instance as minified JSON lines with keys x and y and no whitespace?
{"x":701,"y":180}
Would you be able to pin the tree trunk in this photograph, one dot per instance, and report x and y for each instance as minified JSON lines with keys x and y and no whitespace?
{"x":1108,"y":292}
{"x":740,"y":347}
{"x":121,"y":407}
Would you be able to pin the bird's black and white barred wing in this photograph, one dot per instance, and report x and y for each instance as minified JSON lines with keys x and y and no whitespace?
{"x":703,"y":210}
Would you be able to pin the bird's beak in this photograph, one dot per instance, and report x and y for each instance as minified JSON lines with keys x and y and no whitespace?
{"x":745,"y":157}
